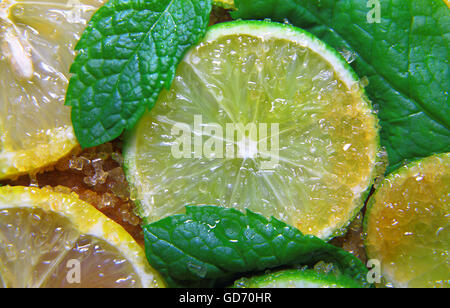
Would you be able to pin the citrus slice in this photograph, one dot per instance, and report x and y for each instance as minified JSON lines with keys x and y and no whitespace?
{"x":260,"y":116}
{"x":37,"y":40}
{"x":305,"y":279}
{"x":46,"y":237}
{"x":407,"y":224}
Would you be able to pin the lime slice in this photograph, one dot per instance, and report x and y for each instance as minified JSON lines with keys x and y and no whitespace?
{"x":408,"y":224}
{"x":45,"y":237}
{"x":305,"y":279}
{"x":37,"y":40}
{"x":310,"y":149}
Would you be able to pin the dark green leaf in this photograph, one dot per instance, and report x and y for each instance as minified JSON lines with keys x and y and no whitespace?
{"x":210,"y":246}
{"x":127,"y":54}
{"x":405,"y":58}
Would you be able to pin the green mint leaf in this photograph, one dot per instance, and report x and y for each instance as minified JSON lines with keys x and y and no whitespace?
{"x":405,"y":58}
{"x":127,"y":54}
{"x":211,"y":246}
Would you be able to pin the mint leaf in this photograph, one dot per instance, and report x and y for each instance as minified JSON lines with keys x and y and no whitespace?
{"x":211,"y":246}
{"x":405,"y":58}
{"x":127,"y":54}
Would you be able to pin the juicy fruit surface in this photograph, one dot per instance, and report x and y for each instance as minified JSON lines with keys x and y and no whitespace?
{"x":407,"y":224}
{"x":37,"y":40}
{"x":297,"y":279}
{"x":42,"y":232}
{"x":127,"y":54}
{"x":261,"y":73}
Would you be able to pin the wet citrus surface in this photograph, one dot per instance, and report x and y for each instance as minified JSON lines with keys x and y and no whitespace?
{"x":96,"y":175}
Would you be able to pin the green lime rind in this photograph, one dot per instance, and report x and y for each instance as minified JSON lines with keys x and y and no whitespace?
{"x":410,"y":170}
{"x":260,"y":28}
{"x":297,"y":278}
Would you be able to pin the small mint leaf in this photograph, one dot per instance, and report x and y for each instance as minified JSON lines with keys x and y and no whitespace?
{"x":211,"y":246}
{"x":127,"y":54}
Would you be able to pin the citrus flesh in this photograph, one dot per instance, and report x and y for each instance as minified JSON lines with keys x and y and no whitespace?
{"x":407,"y":224}
{"x":305,"y":279}
{"x":44,"y":235}
{"x":37,"y":40}
{"x":271,"y":76}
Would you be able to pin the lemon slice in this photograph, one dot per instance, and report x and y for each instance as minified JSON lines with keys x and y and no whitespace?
{"x":46,"y":237}
{"x":309,"y":158}
{"x":408,"y":224}
{"x":37,"y":40}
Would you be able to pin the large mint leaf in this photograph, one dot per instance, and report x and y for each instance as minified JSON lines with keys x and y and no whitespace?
{"x":210,"y":246}
{"x":405,"y":58}
{"x":127,"y":54}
